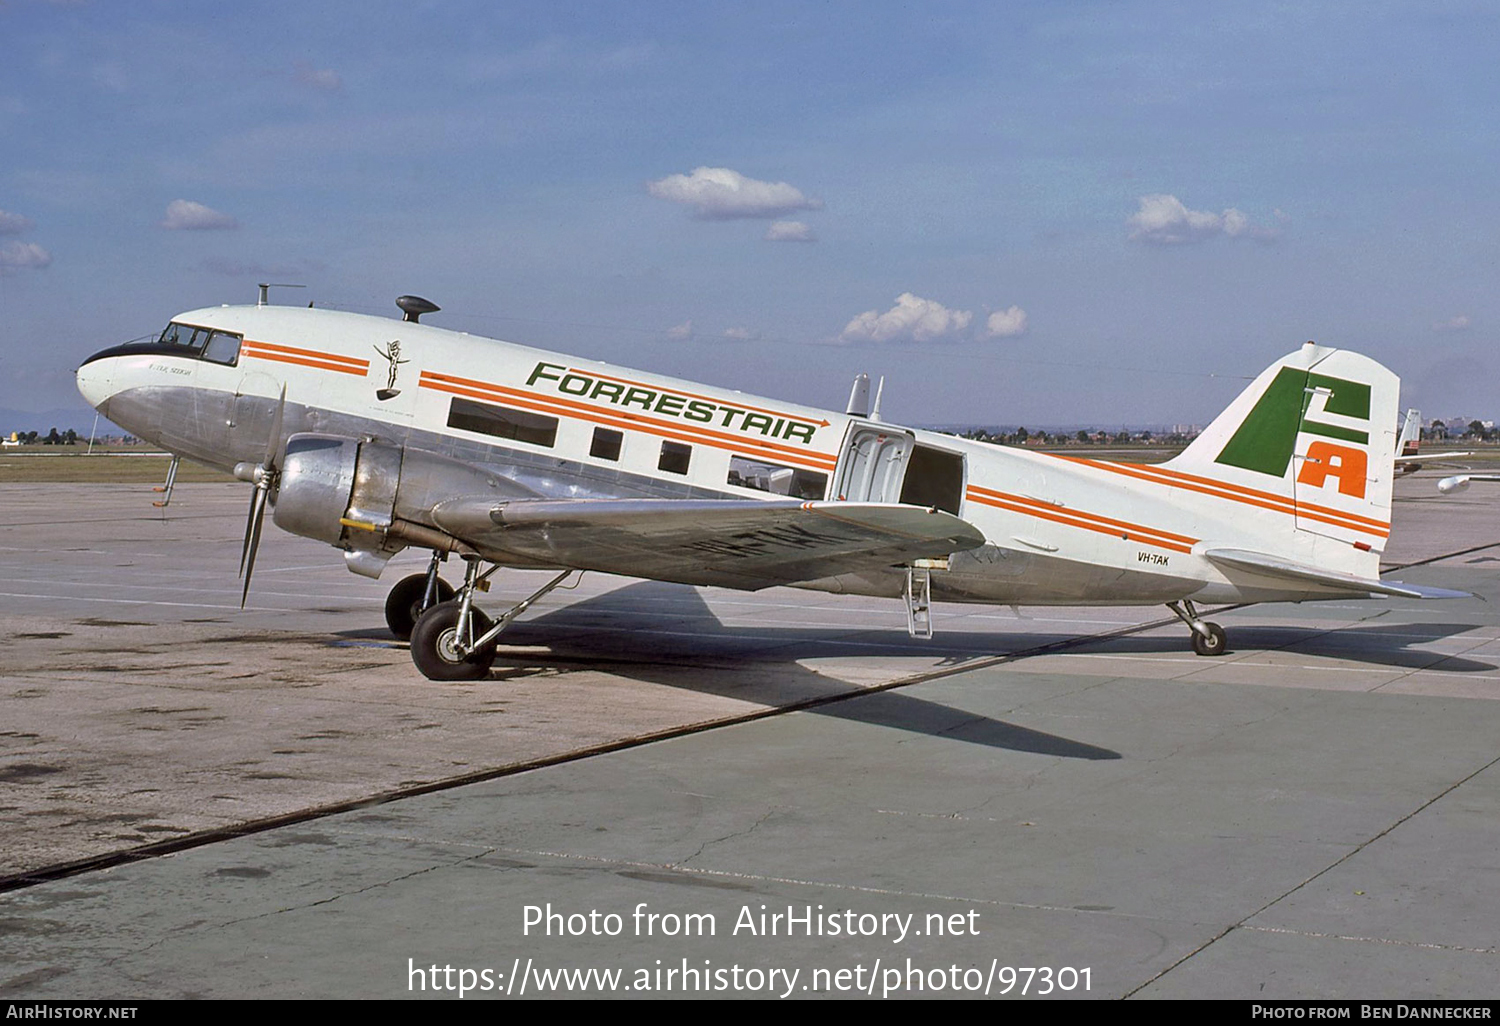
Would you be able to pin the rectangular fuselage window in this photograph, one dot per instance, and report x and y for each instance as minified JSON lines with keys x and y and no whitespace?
{"x":606,"y":445}
{"x":777,"y":478}
{"x":675,"y":457}
{"x":502,"y":422}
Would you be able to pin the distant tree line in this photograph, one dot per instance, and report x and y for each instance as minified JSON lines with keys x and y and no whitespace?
{"x":1475,"y":431}
{"x":1087,"y":436}
{"x":53,"y":437}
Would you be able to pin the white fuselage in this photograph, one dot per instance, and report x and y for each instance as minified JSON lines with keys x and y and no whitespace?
{"x":1058,"y":529}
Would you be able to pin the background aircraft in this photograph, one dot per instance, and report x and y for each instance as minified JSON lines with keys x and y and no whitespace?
{"x":375,"y":435}
{"x":1408,"y":461}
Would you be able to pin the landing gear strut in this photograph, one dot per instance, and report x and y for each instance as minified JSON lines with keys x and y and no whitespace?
{"x":455,"y":640}
{"x":1209,"y":639}
{"x":412,"y":596}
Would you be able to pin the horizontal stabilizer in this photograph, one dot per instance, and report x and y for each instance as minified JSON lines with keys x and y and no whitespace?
{"x":725,"y":542}
{"x":1286,"y":570}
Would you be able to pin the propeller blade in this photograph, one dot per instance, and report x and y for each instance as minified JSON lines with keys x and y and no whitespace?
{"x":249,"y":527}
{"x":273,"y":443}
{"x":252,"y":537}
{"x":264,"y":482}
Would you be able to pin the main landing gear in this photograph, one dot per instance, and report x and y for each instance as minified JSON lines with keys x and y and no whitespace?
{"x":412,"y":596}
{"x":455,"y":640}
{"x":1209,"y":639}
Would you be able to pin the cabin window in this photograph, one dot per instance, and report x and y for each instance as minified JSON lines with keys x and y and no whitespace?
{"x":777,"y":478}
{"x":502,"y":422}
{"x":222,"y":348}
{"x":675,"y":457}
{"x":606,"y":445}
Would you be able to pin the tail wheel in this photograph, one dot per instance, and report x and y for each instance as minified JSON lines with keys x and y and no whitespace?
{"x":1216,"y":643}
{"x":434,"y":645}
{"x":403,"y":606}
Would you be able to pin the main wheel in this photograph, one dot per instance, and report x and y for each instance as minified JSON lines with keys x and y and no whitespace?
{"x":433,"y":646}
{"x":1215,"y":644}
{"x":404,"y":604}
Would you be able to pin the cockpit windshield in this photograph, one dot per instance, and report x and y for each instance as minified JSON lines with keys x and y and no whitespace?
{"x":206,"y":343}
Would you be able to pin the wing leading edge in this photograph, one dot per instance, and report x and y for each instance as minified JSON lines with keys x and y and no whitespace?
{"x":728,"y":543}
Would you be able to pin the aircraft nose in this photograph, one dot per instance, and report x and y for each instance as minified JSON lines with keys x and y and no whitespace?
{"x":95,"y":379}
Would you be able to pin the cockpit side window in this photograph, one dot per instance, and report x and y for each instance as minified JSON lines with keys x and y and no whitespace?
{"x":222,"y":348}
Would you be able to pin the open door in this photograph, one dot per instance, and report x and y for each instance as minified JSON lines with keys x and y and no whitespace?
{"x":882,"y":463}
{"x":872,"y":463}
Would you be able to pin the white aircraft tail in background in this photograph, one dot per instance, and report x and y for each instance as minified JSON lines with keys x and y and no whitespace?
{"x":1408,"y":460}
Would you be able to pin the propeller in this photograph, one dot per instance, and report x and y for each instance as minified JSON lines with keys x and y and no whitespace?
{"x":266,"y":477}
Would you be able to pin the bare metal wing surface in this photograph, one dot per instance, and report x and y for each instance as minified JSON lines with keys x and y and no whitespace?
{"x":727,"y":543}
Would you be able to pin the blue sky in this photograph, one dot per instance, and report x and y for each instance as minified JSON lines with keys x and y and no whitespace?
{"x":1021,"y":213}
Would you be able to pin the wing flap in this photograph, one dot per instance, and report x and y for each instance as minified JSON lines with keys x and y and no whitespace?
{"x":731,"y":543}
{"x":1287,"y":570}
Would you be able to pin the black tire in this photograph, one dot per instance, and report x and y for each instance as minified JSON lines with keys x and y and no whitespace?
{"x":404,"y":604}
{"x":432,"y":645}
{"x":1217,"y":642}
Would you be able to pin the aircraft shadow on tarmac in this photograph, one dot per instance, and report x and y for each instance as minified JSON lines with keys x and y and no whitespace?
{"x":680,"y":633}
{"x":675,"y":623}
{"x":1389,"y":644}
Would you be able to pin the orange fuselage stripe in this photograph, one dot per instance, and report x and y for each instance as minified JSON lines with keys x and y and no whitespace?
{"x":1050,"y":507}
{"x":319,"y":364}
{"x":1086,"y":521}
{"x":586,"y":411}
{"x":266,"y":348}
{"x":1239,"y":493}
{"x":1177,"y":476}
{"x":815,"y":461}
{"x":694,"y":395}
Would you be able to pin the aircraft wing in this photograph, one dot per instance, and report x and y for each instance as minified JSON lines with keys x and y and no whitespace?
{"x":1426,"y":456}
{"x":1458,"y":483}
{"x":731,"y":543}
{"x":1298,"y":573}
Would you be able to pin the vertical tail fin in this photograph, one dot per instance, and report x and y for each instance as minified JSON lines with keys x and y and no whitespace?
{"x":1411,"y":434}
{"x":1313,"y":436}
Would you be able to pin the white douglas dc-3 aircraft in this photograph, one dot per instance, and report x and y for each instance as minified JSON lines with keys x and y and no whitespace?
{"x":374,"y":435}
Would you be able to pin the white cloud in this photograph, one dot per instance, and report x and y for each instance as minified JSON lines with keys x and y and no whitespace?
{"x":14,"y":224}
{"x":1165,"y":220}
{"x":187,"y":216}
{"x":741,"y":334}
{"x":789,"y":231}
{"x":15,"y":256}
{"x":719,"y":194}
{"x":912,"y":319}
{"x":325,"y":79}
{"x":1458,"y":323}
{"x":1006,"y":323}
{"x":681,"y":331}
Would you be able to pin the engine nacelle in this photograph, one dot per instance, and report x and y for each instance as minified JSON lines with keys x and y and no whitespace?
{"x":369,"y":498}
